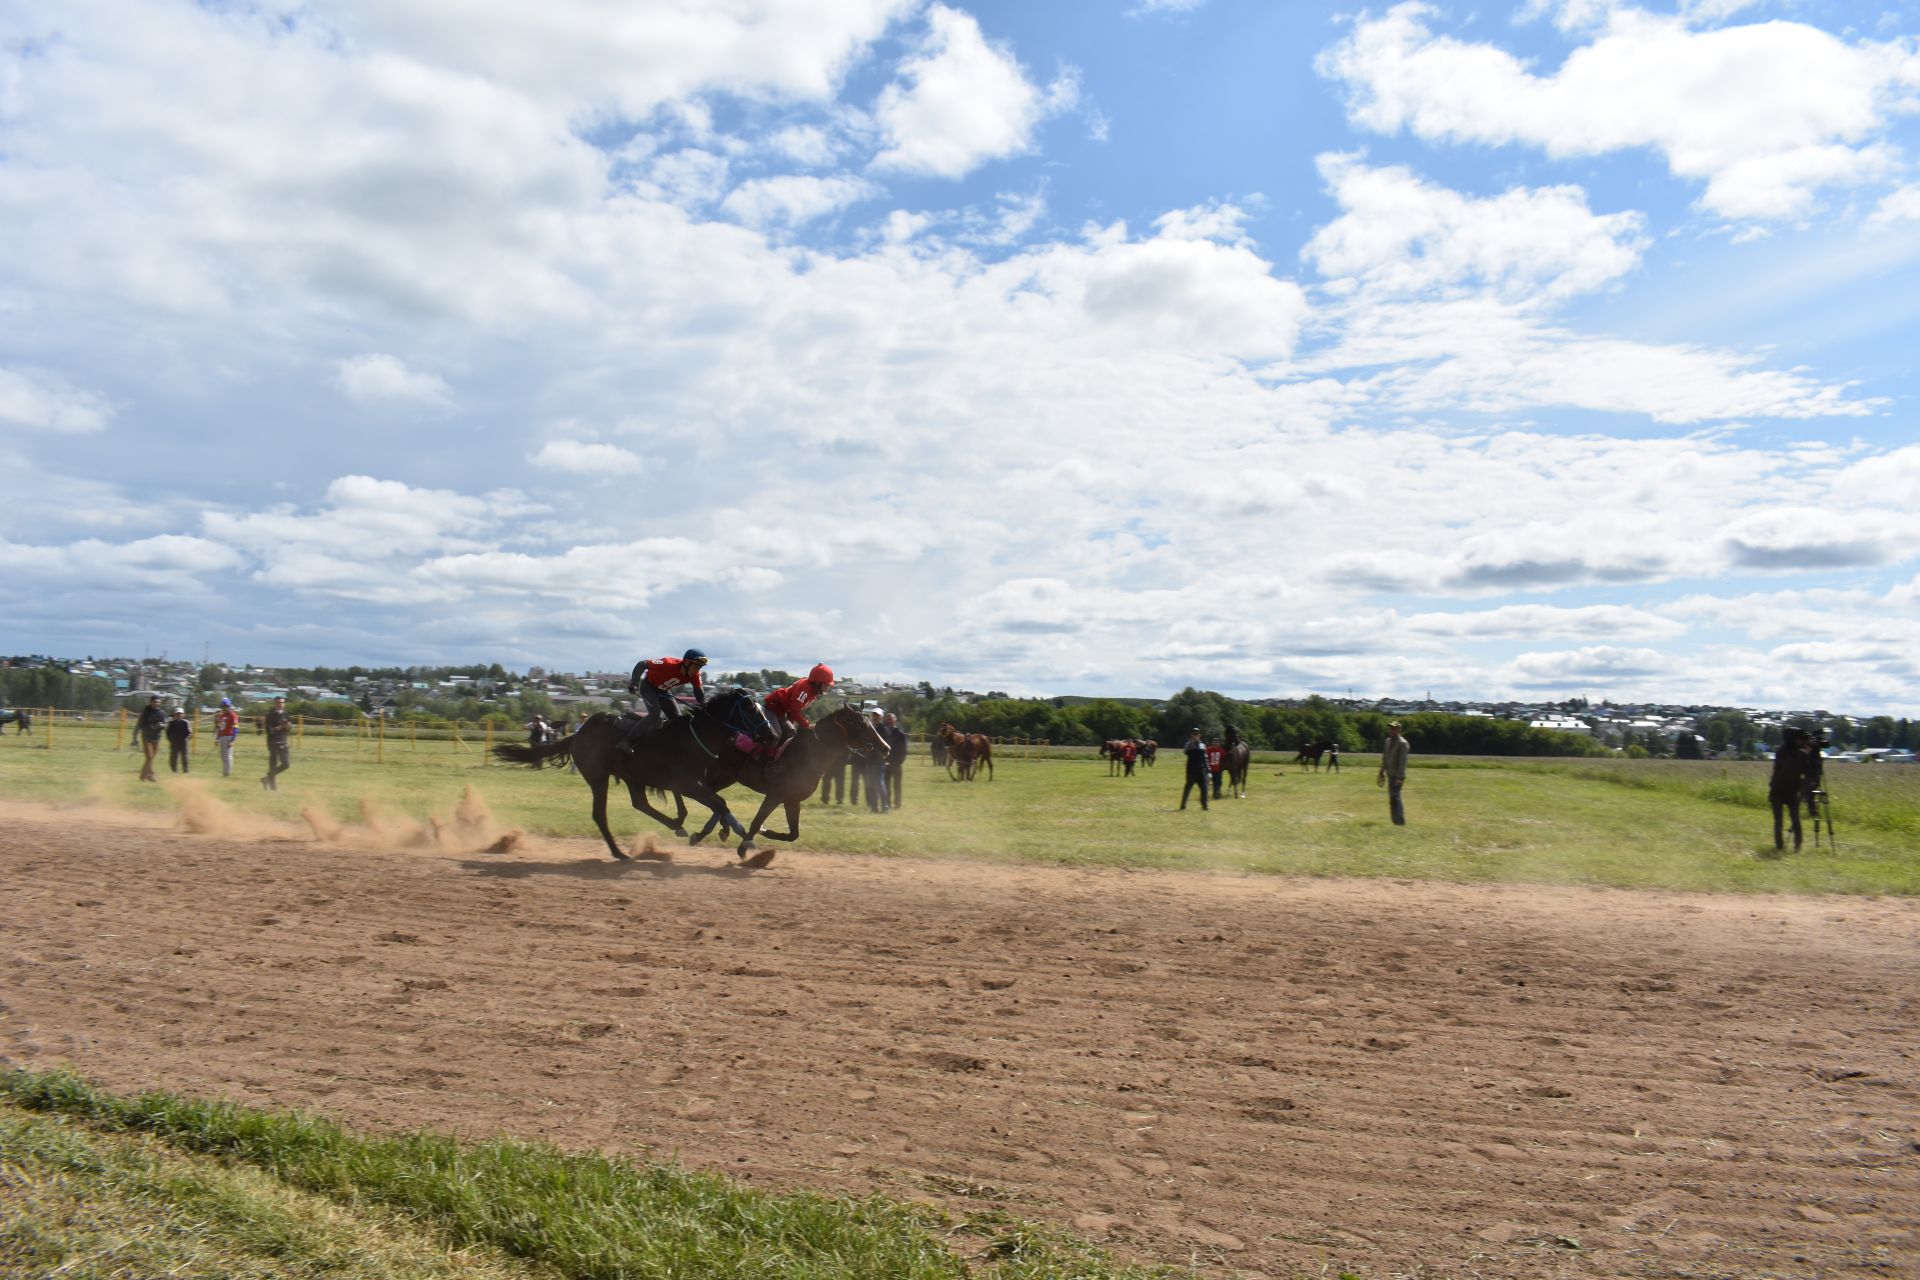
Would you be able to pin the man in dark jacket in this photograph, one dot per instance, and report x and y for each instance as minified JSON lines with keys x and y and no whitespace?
{"x":897,"y":748}
{"x":179,"y":733}
{"x":1198,"y":775}
{"x":148,"y":729}
{"x":278,"y":727}
{"x":1796,"y":776}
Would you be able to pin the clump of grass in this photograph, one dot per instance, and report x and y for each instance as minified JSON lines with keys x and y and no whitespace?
{"x":85,"y":1205}
{"x":579,"y":1216}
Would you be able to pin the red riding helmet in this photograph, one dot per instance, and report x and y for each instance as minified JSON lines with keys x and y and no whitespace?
{"x":822,"y":674}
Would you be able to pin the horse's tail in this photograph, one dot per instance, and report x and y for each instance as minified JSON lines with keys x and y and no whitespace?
{"x":521,"y":753}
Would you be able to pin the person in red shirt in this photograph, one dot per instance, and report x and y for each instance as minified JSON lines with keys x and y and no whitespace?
{"x":1216,"y":758}
{"x":226,"y":727}
{"x":654,"y":678}
{"x":1128,"y":752}
{"x":787,"y":707}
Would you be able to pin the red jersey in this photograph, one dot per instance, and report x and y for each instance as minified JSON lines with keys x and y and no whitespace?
{"x":1216,"y":756}
{"x":226,"y":722}
{"x":665,"y":673}
{"x":790,"y":703}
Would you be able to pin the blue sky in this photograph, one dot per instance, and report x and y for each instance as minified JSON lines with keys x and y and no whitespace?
{"x":1539,"y":350}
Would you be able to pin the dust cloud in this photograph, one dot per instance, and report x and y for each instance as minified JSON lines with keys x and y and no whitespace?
{"x":471,"y":828}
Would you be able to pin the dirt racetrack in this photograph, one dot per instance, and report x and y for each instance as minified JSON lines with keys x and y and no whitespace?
{"x":1279,"y":1077}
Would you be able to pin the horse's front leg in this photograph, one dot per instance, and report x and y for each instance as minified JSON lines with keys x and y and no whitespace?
{"x":676,"y":824}
{"x":599,"y":786}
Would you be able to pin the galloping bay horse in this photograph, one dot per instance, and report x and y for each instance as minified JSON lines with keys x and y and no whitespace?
{"x":966,"y":752}
{"x":788,"y":779}
{"x":673,"y":757}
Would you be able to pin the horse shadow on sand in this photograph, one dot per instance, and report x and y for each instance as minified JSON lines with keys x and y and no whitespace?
{"x":600,"y":869}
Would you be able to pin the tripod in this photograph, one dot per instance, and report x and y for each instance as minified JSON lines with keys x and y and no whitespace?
{"x":1819,"y":808}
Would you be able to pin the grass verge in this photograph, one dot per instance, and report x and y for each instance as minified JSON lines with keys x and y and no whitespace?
{"x":94,"y":1185}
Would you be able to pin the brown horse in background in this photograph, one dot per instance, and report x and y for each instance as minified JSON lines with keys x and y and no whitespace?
{"x":966,"y":752}
{"x":1235,"y":764}
{"x":1310,"y":753}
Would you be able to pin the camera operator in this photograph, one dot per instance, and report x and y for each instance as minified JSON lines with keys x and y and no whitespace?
{"x":1797,"y":773}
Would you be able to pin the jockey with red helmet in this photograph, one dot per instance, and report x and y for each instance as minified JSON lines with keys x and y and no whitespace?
{"x":653,"y":677}
{"x":786,"y":708}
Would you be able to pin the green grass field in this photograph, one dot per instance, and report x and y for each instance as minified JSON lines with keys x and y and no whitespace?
{"x":1653,"y":824}
{"x":97,"y":1187}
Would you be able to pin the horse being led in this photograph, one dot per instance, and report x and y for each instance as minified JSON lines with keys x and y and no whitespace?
{"x":966,"y":752}
{"x":673,"y":757}
{"x":795,"y":774}
{"x":1238,"y":756}
{"x":1113,"y":751}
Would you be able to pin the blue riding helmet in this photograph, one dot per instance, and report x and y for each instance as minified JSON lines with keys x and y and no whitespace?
{"x":693,"y":655}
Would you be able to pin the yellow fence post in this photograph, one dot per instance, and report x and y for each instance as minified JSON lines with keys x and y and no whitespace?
{"x":486,"y":755}
{"x":380,"y":750}
{"x":49,"y":728}
{"x":120,"y":732}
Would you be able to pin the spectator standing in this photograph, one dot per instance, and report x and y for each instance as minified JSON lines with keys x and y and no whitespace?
{"x":226,"y":727}
{"x":148,"y":729}
{"x":875,"y":772}
{"x":897,"y":747}
{"x":1196,"y":769}
{"x":1393,"y":771}
{"x":279,"y":730}
{"x":835,"y":780}
{"x":1129,"y":751}
{"x":179,"y":734}
{"x":1333,"y":757}
{"x":1216,"y":760}
{"x":538,"y":730}
{"x":22,"y":722}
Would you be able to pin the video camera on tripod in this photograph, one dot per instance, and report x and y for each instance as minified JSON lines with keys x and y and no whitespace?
{"x":1820,"y":809}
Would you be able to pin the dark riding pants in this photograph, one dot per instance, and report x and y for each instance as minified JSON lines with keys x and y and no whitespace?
{"x":1192,"y":782}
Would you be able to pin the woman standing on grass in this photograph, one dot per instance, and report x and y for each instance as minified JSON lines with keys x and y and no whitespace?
{"x":226,"y":727}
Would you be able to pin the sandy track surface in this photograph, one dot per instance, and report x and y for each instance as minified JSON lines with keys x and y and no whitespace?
{"x":1271,"y":1076}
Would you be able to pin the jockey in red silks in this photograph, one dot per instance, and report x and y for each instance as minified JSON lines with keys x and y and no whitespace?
{"x":652,"y":679}
{"x":786,"y":708}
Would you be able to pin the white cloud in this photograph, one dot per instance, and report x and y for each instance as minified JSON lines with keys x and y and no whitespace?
{"x":795,"y":198}
{"x":1898,"y":206}
{"x":43,"y":402}
{"x":372,"y":378}
{"x":1766,"y":114}
{"x":961,"y":102}
{"x":1398,"y":234}
{"x":577,"y":457}
{"x":629,"y":58}
{"x":1486,"y":356}
{"x":1523,"y":621}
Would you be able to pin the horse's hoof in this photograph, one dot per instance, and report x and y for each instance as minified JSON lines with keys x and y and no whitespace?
{"x":681,"y":832}
{"x":695,"y":840}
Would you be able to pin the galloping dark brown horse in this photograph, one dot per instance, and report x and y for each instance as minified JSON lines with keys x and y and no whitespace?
{"x":670,"y":758}
{"x":794,"y":775}
{"x":966,"y":752}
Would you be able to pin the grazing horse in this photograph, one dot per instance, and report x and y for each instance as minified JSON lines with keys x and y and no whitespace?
{"x":672,"y":757}
{"x":1310,"y":753}
{"x":1113,"y":750}
{"x":793,"y":775}
{"x":1148,"y":749}
{"x":966,"y":752}
{"x":1239,"y":755}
